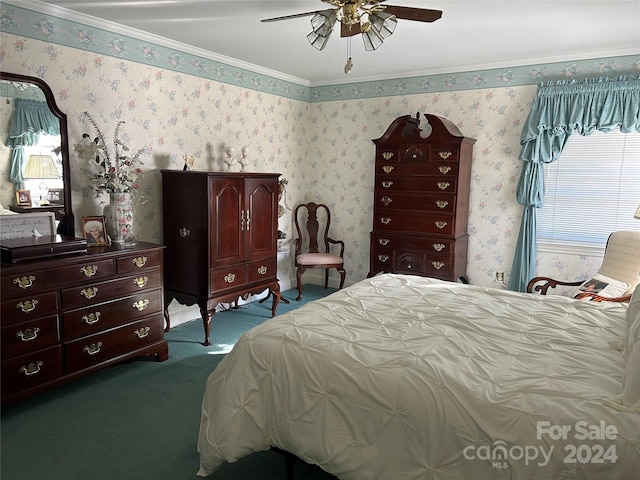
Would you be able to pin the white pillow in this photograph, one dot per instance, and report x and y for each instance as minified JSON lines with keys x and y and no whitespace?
{"x":603,"y":286}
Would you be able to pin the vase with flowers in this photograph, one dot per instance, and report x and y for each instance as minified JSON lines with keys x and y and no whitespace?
{"x":114,"y":172}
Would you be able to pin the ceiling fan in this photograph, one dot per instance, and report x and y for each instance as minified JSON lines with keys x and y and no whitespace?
{"x":370,"y":18}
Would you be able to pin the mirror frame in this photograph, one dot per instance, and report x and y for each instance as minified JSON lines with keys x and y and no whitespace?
{"x":67,"y":225}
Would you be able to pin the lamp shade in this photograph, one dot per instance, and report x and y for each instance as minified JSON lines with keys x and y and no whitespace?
{"x":40,"y":166}
{"x":637,"y":215}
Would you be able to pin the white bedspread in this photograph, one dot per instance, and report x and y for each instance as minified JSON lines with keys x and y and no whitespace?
{"x":404,"y":377}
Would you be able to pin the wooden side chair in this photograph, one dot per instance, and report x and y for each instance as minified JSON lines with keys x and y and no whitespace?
{"x":313,"y":233}
{"x":614,"y":282}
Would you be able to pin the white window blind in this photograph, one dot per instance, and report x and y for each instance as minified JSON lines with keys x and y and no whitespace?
{"x":593,"y":189}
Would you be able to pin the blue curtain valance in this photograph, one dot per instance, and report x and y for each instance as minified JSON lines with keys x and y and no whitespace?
{"x":559,"y":110}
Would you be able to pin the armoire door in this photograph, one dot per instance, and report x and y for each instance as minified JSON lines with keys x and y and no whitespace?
{"x":261,"y":204}
{"x":228,"y":222}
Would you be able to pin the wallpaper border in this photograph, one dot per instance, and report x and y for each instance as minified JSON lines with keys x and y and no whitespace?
{"x":50,"y":28}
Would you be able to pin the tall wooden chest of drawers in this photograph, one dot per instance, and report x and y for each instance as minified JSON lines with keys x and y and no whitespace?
{"x":420,"y":214}
{"x":68,"y":316}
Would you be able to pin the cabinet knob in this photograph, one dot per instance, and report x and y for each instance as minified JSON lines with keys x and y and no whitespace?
{"x":383,"y":241}
{"x":142,"y":332}
{"x":140,"y":305}
{"x":444,"y":169}
{"x":28,"y":335}
{"x":437,"y":265}
{"x":385,"y":220}
{"x":184,"y":232}
{"x":387,"y":155}
{"x":27,"y":306}
{"x":140,"y":261}
{"x":438,"y":247}
{"x":89,"y":270}
{"x":262,"y":270}
{"x":441,"y":204}
{"x":93,"y":349}
{"x":230,"y":278}
{"x":31,"y":369}
{"x":444,"y":155}
{"x":141,"y":281}
{"x":92,"y":318}
{"x":383,"y":258}
{"x":387,"y":168}
{"x":24,"y":282}
{"x":89,"y":293}
{"x":387,"y":183}
{"x":440,"y":224}
{"x":443,"y":185}
{"x":386,"y":201}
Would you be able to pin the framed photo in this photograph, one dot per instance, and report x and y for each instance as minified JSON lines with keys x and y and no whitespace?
{"x":94,"y":231}
{"x":56,"y":196}
{"x":23,"y":198}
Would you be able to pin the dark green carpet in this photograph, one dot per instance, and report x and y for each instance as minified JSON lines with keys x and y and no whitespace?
{"x":138,"y":420}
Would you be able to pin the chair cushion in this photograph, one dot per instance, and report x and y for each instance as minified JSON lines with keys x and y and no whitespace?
{"x":603,"y":286}
{"x":318,"y":259}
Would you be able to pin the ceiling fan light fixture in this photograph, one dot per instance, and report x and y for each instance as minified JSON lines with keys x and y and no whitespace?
{"x":372,"y":39}
{"x":322,"y":24}
{"x":383,"y":22}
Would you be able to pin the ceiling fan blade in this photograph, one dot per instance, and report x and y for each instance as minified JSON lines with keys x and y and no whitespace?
{"x":349,"y":30}
{"x":417,"y":14}
{"x":287,"y":17}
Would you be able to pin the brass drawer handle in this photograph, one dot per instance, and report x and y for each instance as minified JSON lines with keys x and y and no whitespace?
{"x":93,"y":349}
{"x":383,"y":258}
{"x":142,"y":332}
{"x":387,"y":155}
{"x":92,"y":318}
{"x":441,"y":204}
{"x":140,"y":305}
{"x":140,"y":261}
{"x":440,"y":224}
{"x":437,"y":265}
{"x":444,"y":155}
{"x":28,"y":335}
{"x":141,"y":281}
{"x":230,"y":278}
{"x":89,"y":270}
{"x":386,"y":200}
{"x":384,"y":241}
{"x":89,"y":293}
{"x":444,"y":169}
{"x":31,"y":369}
{"x":438,"y":247}
{"x":385,"y":220}
{"x":443,"y":185}
{"x":387,"y":183}
{"x":262,"y":270}
{"x":387,"y":168}
{"x":184,"y":232}
{"x":24,"y":282}
{"x":27,"y":306}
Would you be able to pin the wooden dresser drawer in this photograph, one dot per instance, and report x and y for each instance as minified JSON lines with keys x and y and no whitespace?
{"x":92,"y":350}
{"x":31,"y":370}
{"x":22,"y":338}
{"x":92,"y":293}
{"x":226,"y":278}
{"x":139,"y":261}
{"x":88,"y":320}
{"x":436,"y":168}
{"x":429,"y":245}
{"x":262,"y":270}
{"x":423,"y":202}
{"x":416,"y":183}
{"x":413,"y":222}
{"x":29,"y":307}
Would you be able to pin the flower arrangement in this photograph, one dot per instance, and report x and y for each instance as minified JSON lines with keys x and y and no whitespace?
{"x":110,"y":174}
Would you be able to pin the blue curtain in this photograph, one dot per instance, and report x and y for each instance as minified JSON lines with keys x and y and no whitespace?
{"x":559,"y":110}
{"x":30,"y":118}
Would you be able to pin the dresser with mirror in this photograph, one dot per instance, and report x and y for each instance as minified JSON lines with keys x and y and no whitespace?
{"x":66,"y":310}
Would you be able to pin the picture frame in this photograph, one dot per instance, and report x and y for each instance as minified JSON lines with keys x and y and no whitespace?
{"x":23,"y":198}
{"x":56,"y":196}
{"x":27,"y":225}
{"x":94,"y":231}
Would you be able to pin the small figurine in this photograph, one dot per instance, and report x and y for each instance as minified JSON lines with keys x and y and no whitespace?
{"x":243,"y":160}
{"x":35,"y":233}
{"x":189,"y":161}
{"x":230,"y":160}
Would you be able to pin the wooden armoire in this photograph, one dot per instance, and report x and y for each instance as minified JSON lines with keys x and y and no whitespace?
{"x":420,"y":214}
{"x":220,"y":233}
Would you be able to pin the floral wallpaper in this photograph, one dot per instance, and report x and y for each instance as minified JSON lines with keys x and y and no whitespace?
{"x":319,"y":139}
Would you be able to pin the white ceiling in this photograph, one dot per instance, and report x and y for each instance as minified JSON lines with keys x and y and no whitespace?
{"x":471,"y":35}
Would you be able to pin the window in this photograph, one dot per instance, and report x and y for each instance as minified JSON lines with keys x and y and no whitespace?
{"x":592,"y":190}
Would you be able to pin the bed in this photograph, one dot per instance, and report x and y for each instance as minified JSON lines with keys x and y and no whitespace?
{"x":405,"y":377}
